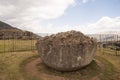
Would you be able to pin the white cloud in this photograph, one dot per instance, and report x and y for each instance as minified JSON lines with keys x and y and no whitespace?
{"x":102,"y":25}
{"x":6,"y":9}
{"x":29,"y":15}
{"x":21,"y":11}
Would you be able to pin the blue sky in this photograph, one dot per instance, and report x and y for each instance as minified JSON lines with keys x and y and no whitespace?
{"x":45,"y":16}
{"x":91,"y":11}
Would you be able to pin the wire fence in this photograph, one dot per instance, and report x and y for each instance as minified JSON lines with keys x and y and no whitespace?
{"x":109,"y":44}
{"x":14,"y":44}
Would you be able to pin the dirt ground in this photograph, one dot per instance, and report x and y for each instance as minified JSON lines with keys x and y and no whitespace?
{"x":31,"y":69}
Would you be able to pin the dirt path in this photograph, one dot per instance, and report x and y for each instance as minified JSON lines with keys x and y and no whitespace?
{"x":31,"y":69}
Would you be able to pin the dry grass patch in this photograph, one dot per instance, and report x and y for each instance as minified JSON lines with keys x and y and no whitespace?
{"x":10,"y":64}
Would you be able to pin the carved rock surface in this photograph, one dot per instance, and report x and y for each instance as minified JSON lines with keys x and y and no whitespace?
{"x":66,"y":51}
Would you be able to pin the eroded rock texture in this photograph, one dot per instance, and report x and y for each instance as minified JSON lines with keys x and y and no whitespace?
{"x":66,"y":51}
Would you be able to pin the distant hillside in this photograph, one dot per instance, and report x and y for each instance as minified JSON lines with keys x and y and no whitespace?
{"x":6,"y":26}
{"x":9,"y":32}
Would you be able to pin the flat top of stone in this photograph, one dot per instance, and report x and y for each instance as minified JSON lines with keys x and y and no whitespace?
{"x":67,"y":38}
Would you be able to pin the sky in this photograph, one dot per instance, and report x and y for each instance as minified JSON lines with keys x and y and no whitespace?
{"x":53,"y":16}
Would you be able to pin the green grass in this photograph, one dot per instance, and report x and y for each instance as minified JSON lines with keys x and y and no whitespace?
{"x":16,"y":45}
{"x":115,"y":60}
{"x":10,"y":65}
{"x":108,"y":71}
{"x":112,"y":70}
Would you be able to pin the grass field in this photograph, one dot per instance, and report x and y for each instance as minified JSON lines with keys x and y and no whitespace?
{"x":16,"y":45}
{"x":111,"y":69}
{"x":11,"y":67}
{"x":11,"y":64}
{"x":110,"y":56}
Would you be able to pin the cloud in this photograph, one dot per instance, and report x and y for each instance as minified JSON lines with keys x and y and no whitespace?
{"x":85,"y":1}
{"x":102,"y":25}
{"x":21,"y":11}
{"x":105,"y":24}
{"x":30,"y":14}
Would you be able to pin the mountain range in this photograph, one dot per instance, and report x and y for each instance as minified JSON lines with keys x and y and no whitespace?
{"x":9,"y":32}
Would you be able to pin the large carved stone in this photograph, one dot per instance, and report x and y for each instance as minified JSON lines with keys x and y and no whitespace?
{"x":66,"y":51}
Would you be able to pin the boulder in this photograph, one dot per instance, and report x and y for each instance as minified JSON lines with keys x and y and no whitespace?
{"x":66,"y":51}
